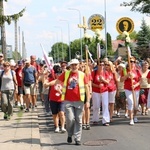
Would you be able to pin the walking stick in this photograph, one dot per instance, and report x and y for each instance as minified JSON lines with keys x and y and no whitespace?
{"x":129,"y":63}
{"x":87,"y":62}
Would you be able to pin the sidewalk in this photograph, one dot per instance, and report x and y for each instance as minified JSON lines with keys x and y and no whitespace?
{"x":21,"y":132}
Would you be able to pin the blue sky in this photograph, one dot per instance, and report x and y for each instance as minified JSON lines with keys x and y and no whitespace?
{"x":41,"y":17}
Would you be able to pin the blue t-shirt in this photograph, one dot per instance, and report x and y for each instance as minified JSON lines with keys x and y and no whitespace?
{"x":29,"y":74}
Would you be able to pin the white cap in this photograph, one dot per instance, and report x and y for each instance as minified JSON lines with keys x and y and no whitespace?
{"x":74,"y":61}
{"x":122,"y":65}
{"x":12,"y":62}
{"x":27,"y":60}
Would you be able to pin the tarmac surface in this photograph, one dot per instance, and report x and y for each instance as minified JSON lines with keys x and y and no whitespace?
{"x":35,"y":131}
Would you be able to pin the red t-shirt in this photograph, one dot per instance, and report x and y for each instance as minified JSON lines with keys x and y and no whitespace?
{"x":72,"y":88}
{"x":148,"y":75}
{"x":19,"y":76}
{"x":112,"y":82}
{"x":136,"y":78}
{"x":96,"y":80}
{"x":55,"y":92}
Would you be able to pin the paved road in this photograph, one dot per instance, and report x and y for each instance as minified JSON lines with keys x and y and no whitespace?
{"x":118,"y":136}
{"x":35,"y":131}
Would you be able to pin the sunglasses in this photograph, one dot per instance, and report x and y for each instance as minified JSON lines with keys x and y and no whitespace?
{"x":132,"y":61}
{"x":107,"y":65}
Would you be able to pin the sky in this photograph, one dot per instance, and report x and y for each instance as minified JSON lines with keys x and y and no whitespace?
{"x":41,"y":22}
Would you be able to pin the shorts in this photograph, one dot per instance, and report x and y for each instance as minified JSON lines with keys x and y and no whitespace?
{"x":111,"y":96}
{"x":30,"y":89}
{"x":56,"y":107}
{"x":40,"y":87}
{"x":20,"y":90}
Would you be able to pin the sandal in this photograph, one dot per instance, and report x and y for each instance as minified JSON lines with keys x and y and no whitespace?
{"x":105,"y":124}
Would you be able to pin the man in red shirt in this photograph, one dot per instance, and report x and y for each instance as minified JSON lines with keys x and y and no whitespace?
{"x":19,"y":80}
{"x":75,"y":85}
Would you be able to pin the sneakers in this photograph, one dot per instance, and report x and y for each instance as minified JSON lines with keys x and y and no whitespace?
{"x":77,"y":143}
{"x":21,"y":107}
{"x":135,"y":119}
{"x":5,"y":116}
{"x":84,"y":127}
{"x":118,"y":114}
{"x":131,"y":122}
{"x":126,"y":116}
{"x":63,"y":130}
{"x":27,"y":110}
{"x":69,"y":139}
{"x":88,"y":127}
{"x":57,"y":130}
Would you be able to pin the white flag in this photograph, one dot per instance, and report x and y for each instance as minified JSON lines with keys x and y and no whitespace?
{"x":129,"y":51}
{"x":98,"y":51}
{"x":48,"y":63}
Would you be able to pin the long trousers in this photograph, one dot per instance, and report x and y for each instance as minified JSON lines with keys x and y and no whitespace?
{"x":74,"y":112}
{"x":7,"y":101}
{"x":99,"y":99}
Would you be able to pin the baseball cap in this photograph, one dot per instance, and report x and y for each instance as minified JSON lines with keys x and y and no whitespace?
{"x":27,"y":60}
{"x":1,"y":54}
{"x":20,"y":63}
{"x":74,"y":61}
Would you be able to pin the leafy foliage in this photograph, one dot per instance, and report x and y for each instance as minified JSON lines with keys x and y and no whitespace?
{"x":142,"y":6}
{"x":57,"y":52}
{"x":143,"y":40}
{"x":9,"y":18}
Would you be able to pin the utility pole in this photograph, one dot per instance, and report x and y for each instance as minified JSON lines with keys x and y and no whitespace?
{"x":16,"y":41}
{"x":19,"y":41}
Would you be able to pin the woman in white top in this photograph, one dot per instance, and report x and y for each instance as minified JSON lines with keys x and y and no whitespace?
{"x":8,"y":86}
{"x":144,"y":88}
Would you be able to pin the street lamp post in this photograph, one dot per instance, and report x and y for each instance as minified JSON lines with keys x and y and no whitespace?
{"x":68,"y":37}
{"x":80,"y":28}
{"x":61,"y":40}
{"x":105,"y":28}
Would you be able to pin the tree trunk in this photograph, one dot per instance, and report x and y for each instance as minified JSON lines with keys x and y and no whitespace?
{"x":3,"y":34}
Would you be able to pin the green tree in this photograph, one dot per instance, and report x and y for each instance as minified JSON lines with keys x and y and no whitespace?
{"x":143,"y":35}
{"x":109,"y":45}
{"x":57,"y":52}
{"x":143,"y":40}
{"x":8,"y":19}
{"x":142,"y":6}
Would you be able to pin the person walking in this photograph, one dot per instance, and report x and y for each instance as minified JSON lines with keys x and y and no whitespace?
{"x":75,"y":84}
{"x":100,"y":94}
{"x":144,"y":88}
{"x":132,"y":88}
{"x":29,"y":83}
{"x":8,"y":87}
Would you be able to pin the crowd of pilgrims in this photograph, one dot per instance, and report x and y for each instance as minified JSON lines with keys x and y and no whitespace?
{"x":114,"y":88}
